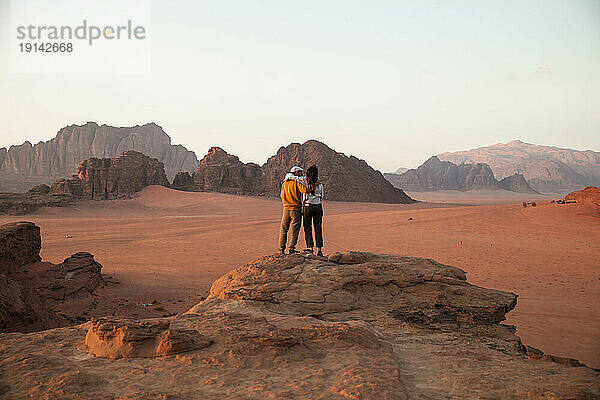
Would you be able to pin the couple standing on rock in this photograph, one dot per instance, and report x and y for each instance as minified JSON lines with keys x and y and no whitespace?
{"x":302,"y":199}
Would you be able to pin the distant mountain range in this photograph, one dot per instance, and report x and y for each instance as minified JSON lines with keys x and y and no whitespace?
{"x":547,"y":169}
{"x":26,"y":165}
{"x":435,"y":174}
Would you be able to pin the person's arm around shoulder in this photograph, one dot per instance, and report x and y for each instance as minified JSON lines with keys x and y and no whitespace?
{"x":303,"y":188}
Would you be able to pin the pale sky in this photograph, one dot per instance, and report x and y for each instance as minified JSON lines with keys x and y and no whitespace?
{"x":392,"y":82}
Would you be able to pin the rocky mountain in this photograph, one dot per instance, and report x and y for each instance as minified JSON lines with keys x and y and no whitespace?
{"x":444,"y":175}
{"x":515,"y":183}
{"x":113,"y":178}
{"x":353,"y":325}
{"x":31,"y":291}
{"x":344,"y":178}
{"x":27,"y":165}
{"x":546,"y":169}
{"x":401,"y":170}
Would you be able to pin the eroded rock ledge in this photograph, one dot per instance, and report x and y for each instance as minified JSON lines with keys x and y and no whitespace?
{"x":351,"y":326}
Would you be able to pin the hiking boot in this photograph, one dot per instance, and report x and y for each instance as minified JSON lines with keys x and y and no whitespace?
{"x":320,"y":253}
{"x":293,"y":251}
{"x":310,"y":251}
{"x":281,"y":252}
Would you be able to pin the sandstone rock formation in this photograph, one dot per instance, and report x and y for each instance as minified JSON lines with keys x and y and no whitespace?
{"x":119,"y":177}
{"x":589,"y":195}
{"x":27,"y":165}
{"x":183,"y":181}
{"x":20,"y":244}
{"x":444,"y":175}
{"x":222,"y":172}
{"x":354,"y":325}
{"x":547,"y":169}
{"x":344,"y":178}
{"x":39,"y":189}
{"x":23,"y":310}
{"x":31,"y":290}
{"x":122,"y":338}
{"x":27,"y":203}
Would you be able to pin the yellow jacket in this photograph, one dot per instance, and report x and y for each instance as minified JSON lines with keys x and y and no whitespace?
{"x":291,"y":194}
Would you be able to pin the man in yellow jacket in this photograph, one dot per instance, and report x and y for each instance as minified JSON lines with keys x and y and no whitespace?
{"x":291,"y":197}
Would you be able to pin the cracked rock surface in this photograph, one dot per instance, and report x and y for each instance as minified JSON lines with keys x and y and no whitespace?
{"x":351,"y":326}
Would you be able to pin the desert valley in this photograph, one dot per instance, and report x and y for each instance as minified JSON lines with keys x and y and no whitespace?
{"x":142,"y":248}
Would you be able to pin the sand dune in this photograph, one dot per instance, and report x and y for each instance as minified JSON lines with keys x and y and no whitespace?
{"x":169,"y":246}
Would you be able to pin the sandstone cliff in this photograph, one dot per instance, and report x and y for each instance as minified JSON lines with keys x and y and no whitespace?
{"x":113,"y":178}
{"x":546,"y":168}
{"x":2,"y":155}
{"x":31,"y":291}
{"x":27,"y":165}
{"x":344,"y":178}
{"x":351,"y":326}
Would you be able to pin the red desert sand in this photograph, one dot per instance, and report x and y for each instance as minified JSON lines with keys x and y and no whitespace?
{"x":166,"y":247}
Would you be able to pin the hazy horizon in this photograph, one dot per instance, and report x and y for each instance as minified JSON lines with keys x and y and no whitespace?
{"x":392,"y":84}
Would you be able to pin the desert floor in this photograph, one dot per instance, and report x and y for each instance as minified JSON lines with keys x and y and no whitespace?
{"x":167,"y":247}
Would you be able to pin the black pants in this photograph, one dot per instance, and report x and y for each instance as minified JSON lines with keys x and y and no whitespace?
{"x":313,"y":213}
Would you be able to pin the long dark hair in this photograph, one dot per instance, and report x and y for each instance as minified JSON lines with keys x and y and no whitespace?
{"x":312,"y":175}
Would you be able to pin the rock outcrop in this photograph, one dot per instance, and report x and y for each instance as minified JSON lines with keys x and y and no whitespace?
{"x":121,"y":338}
{"x":225,"y":173}
{"x":354,"y":325}
{"x":589,"y":195}
{"x":344,"y":178}
{"x":27,"y":203}
{"x":20,"y":244}
{"x":23,"y":310}
{"x":183,"y":181}
{"x":27,"y":165}
{"x":547,"y":169}
{"x":444,"y":175}
{"x":31,"y":290}
{"x":39,"y":189}
{"x":119,"y":177}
